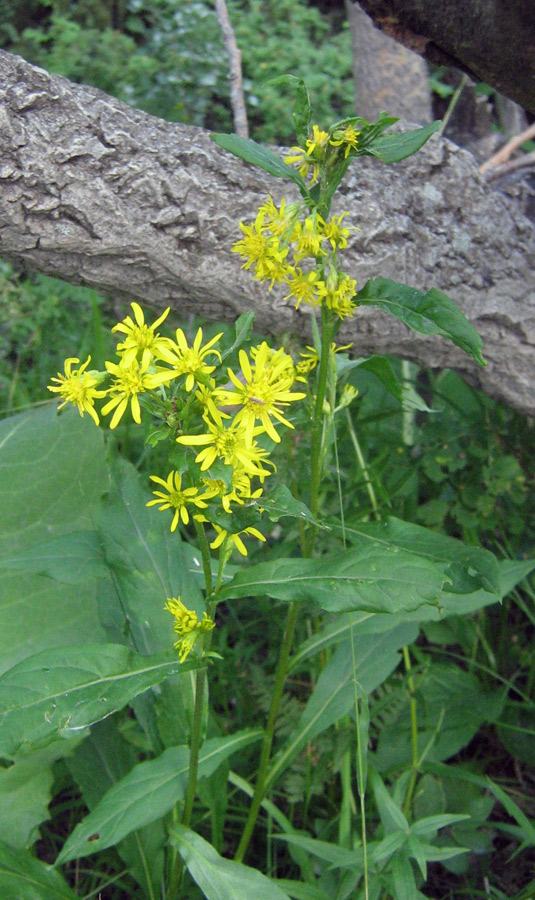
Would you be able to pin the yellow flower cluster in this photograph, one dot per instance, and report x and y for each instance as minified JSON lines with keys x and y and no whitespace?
{"x":317,"y":150}
{"x":222,"y":417}
{"x":299,"y":254}
{"x":187,"y":626}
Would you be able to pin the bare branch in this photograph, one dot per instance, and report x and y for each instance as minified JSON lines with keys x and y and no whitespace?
{"x":235,"y":77}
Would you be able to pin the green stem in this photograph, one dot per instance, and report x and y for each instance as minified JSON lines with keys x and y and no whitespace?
{"x":415,"y":765}
{"x":177,"y":864}
{"x":362,"y":464}
{"x":280,"y":678}
{"x":328,"y":321}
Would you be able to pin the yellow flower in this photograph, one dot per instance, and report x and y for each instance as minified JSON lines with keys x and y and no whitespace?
{"x":230,"y":445}
{"x":129,"y":381}
{"x":308,"y":237}
{"x":338,"y":294}
{"x":188,"y":360}
{"x":187,"y":626}
{"x":261,"y":250}
{"x":278,"y":222}
{"x":177,"y":498}
{"x":348,"y":137}
{"x":335,"y":234}
{"x":304,"y":287}
{"x":264,"y":389}
{"x":309,"y":361}
{"x":312,"y":156}
{"x":79,"y":387}
{"x":139,"y":336}
{"x":235,"y":538}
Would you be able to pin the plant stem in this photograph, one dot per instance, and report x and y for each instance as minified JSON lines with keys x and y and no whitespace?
{"x":328,"y":321}
{"x":362,"y":464}
{"x":414,"y":731}
{"x":280,"y":678}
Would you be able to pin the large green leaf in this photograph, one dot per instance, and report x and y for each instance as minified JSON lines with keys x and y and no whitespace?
{"x":391,"y":148}
{"x":220,"y":878}
{"x":25,"y":792}
{"x":369,"y":662}
{"x":23,"y":877}
{"x":58,"y":693}
{"x":52,"y":473}
{"x":258,"y":155}
{"x":372,"y":577}
{"x":70,"y":559}
{"x":468,"y":569}
{"x":147,"y":793}
{"x":147,"y":563}
{"x":97,"y":764}
{"x":427,"y":313}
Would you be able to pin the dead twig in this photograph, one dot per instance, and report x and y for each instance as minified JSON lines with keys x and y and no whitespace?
{"x":235,"y":77}
{"x":504,"y":154}
{"x":521,"y":162}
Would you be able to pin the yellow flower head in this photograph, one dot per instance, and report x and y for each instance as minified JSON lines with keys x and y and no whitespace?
{"x":304,"y":287}
{"x":178,"y":498}
{"x":262,"y":391}
{"x":263,"y":250}
{"x":189,"y":361}
{"x":140,"y":338}
{"x":347,"y":137}
{"x":129,"y":381}
{"x":79,"y":387}
{"x":187,"y":626}
{"x":230,"y":445}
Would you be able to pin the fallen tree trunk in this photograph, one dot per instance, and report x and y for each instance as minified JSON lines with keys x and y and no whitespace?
{"x":97,"y":193}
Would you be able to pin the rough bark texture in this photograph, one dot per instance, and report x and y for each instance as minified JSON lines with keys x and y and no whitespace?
{"x":490,"y":40}
{"x":387,"y":75}
{"x":100,"y":194}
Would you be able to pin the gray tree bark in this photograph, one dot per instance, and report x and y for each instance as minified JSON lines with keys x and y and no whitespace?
{"x":387,"y":75}
{"x":490,"y":40}
{"x":100,"y":194}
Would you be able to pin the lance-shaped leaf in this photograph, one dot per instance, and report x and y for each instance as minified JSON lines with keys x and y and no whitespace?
{"x":371,"y":577}
{"x":260,"y":156}
{"x":60,"y":692}
{"x":427,"y":313}
{"x":392,"y":148}
{"x":23,"y":877}
{"x":219,"y":878}
{"x":147,"y":793}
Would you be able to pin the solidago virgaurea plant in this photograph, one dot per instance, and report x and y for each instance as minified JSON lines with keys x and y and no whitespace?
{"x":233,"y":417}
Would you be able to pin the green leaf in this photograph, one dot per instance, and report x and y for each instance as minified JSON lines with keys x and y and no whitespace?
{"x":23,"y":877}
{"x":391,"y":815}
{"x":391,"y":148}
{"x":258,"y":155}
{"x":69,"y":559}
{"x":376,"y":656}
{"x":302,"y":113}
{"x":147,"y":793}
{"x":426,"y":313}
{"x":383,"y":369}
{"x":25,"y":792}
{"x":97,"y":764}
{"x":528,"y":829}
{"x":372,"y":577}
{"x":467,"y":569}
{"x":242,"y":329}
{"x":219,"y":878}
{"x":429,"y":826}
{"x":338,"y":857}
{"x":58,"y":693}
{"x":147,"y":564}
{"x":513,"y":571}
{"x":301,"y":891}
{"x":281,"y":502}
{"x":52,"y":473}
{"x":452,"y":705}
